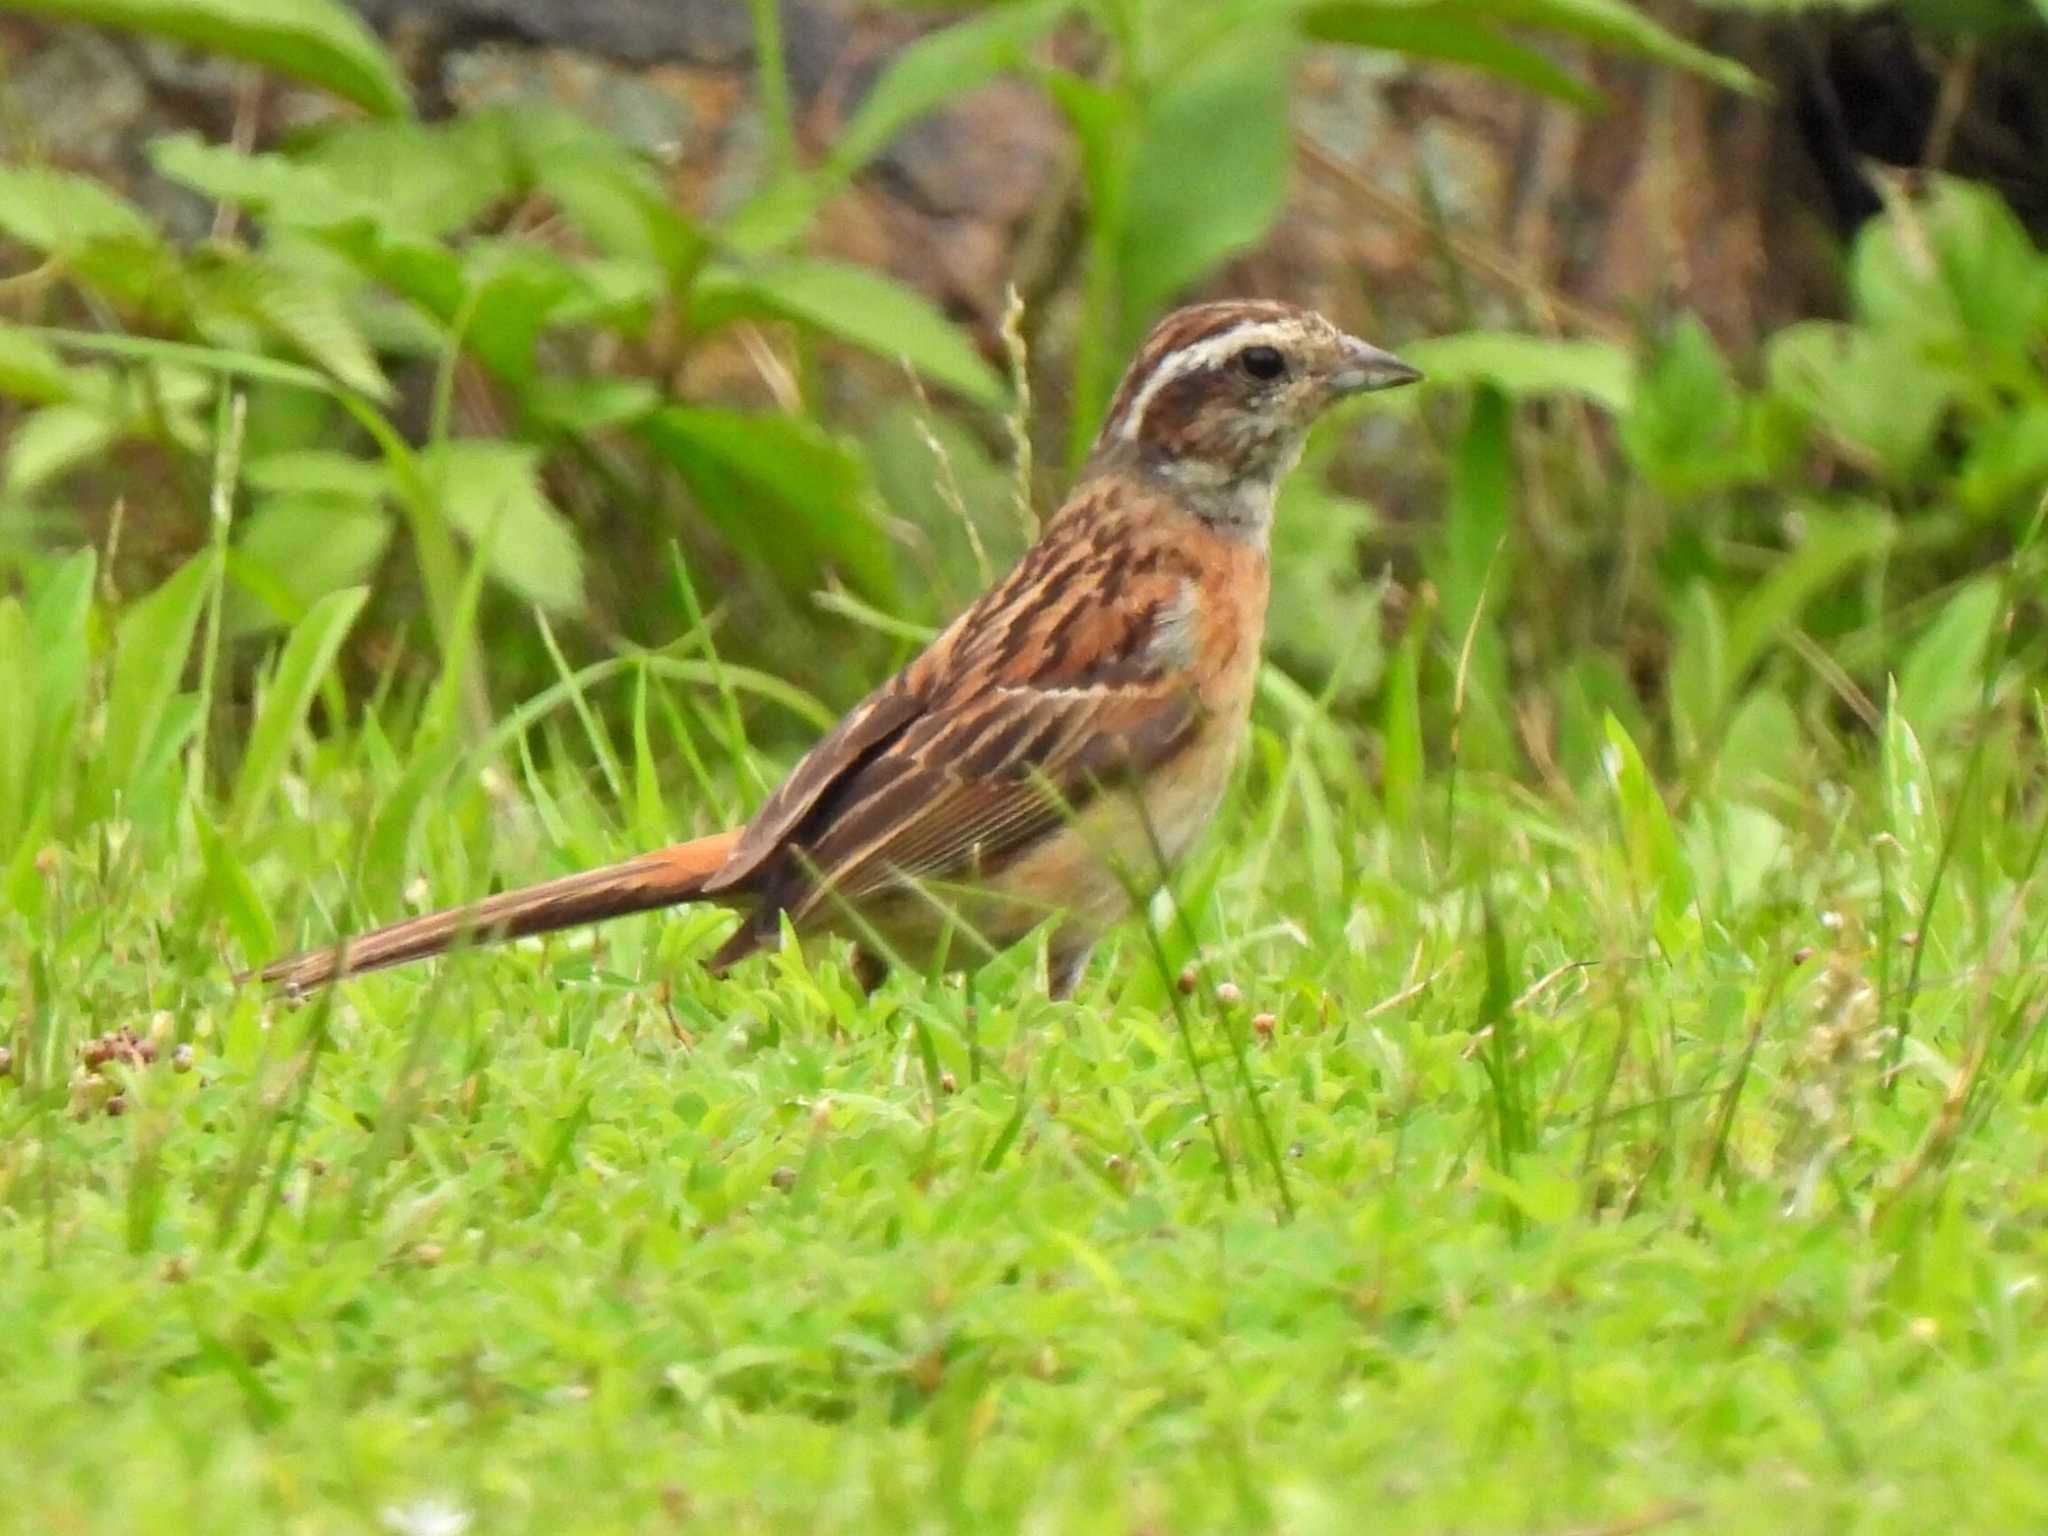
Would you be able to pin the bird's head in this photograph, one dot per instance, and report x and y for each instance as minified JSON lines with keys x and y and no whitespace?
{"x":1220,"y":397}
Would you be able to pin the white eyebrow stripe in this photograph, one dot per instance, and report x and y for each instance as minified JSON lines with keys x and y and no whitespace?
{"x":1202,"y":354}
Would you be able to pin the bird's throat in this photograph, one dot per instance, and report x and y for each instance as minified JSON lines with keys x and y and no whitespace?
{"x":1232,"y":500}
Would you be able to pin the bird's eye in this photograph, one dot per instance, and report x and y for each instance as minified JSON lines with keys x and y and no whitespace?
{"x":1262,"y":362}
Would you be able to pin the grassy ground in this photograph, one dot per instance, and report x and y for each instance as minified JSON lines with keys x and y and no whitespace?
{"x":1573,"y":1165}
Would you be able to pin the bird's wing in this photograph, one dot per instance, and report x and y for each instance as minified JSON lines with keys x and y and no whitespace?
{"x":1070,"y":675}
{"x":966,"y":788}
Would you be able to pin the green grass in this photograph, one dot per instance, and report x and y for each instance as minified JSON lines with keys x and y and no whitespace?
{"x":1652,"y":1156}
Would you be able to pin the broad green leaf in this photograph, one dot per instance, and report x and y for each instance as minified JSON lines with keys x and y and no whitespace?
{"x":1322,"y":614}
{"x":1105,"y":126}
{"x":1475,"y":571}
{"x":1208,"y":172}
{"x":1955,"y":265}
{"x":1443,"y":32}
{"x":780,"y":489}
{"x":1761,"y":750}
{"x":913,"y":485}
{"x":296,"y":548}
{"x":61,"y":212}
{"x":859,"y":305}
{"x":1735,"y":847}
{"x":1619,"y":24}
{"x":31,"y":370}
{"x":1684,"y":429}
{"x":1698,"y":683}
{"x":17,"y":721}
{"x":589,"y":403}
{"x":60,"y":624}
{"x":429,"y":179}
{"x":1593,"y":687}
{"x":151,"y":647}
{"x":616,"y":199}
{"x":2006,"y":466}
{"x":491,"y":491}
{"x":53,"y":441}
{"x":1401,"y":759}
{"x":233,"y":894}
{"x":1871,"y":390}
{"x":307,"y":657}
{"x":1942,"y":678}
{"x":317,"y":472}
{"x":778,"y":213}
{"x":1779,"y":7}
{"x":939,"y":66}
{"x":319,"y":41}
{"x":287,"y":192}
{"x":250,"y":301}
{"x":102,"y":241}
{"x":1525,"y":367}
{"x":1911,"y":809}
{"x":1950,"y":22}
{"x":514,"y":291}
{"x":1836,"y":540}
{"x":1547,"y":1196}
{"x":1655,"y":859}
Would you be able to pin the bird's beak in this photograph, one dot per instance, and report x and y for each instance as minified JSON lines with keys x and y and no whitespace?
{"x":1366,"y":367}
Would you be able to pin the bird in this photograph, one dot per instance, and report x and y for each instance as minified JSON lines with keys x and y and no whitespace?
{"x":1051,"y":755}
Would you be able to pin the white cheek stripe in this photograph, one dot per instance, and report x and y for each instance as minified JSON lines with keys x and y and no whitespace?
{"x":1203,"y":354}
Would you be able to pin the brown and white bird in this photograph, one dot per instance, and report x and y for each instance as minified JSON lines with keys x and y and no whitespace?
{"x":1061,"y":744}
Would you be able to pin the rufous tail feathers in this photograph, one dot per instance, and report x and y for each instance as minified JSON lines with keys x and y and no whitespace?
{"x":662,"y":878}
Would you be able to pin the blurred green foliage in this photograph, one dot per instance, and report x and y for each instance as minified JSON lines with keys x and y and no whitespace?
{"x":369,"y":273}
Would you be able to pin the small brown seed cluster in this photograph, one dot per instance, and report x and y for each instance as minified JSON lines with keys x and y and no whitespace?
{"x":93,"y":1091}
{"x":121,"y":1045}
{"x":1229,"y":995}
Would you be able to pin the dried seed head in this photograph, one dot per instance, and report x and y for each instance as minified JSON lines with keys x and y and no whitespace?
{"x":1262,"y":1026}
{"x":948,"y":1083}
{"x":1187,"y":981}
{"x":783,"y":1178}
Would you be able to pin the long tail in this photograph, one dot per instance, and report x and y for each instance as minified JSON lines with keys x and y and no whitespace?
{"x":658,"y":879}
